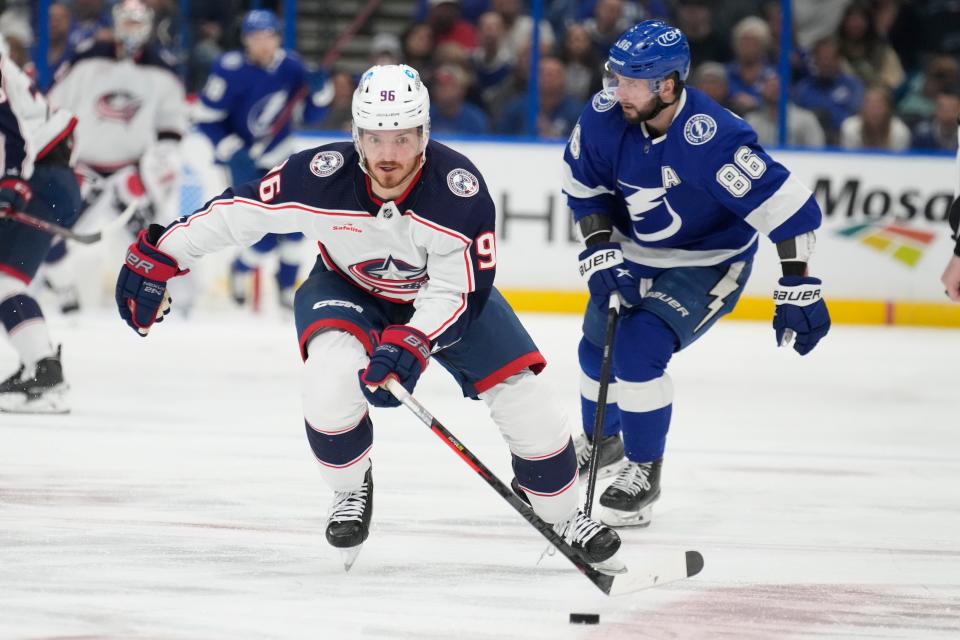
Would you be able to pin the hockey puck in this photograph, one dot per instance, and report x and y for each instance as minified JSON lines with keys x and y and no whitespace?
{"x":584,"y":618}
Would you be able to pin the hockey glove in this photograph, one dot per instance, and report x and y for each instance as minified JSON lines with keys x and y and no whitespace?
{"x":402,"y":353}
{"x":801,"y":311}
{"x":601,"y":265}
{"x":14,"y":193}
{"x":142,"y":284}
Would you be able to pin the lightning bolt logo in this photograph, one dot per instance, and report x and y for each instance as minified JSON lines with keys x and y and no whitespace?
{"x":727,"y":285}
{"x":644,"y":200}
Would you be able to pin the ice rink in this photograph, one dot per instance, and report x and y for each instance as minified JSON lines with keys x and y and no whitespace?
{"x":180,"y":498}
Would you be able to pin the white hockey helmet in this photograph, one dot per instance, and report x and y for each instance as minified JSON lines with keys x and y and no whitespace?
{"x":132,"y":23}
{"x":390,"y":97}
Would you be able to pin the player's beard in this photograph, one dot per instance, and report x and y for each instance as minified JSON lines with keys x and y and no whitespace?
{"x":394,"y":178}
{"x":642,"y":114}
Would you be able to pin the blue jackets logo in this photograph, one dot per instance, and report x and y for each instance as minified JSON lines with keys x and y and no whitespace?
{"x":326,"y":163}
{"x":463,"y":183}
{"x":700,"y":129}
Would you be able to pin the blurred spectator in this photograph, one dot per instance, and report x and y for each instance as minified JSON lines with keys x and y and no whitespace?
{"x":418,"y":49}
{"x":385,"y":49}
{"x":16,"y":30}
{"x":750,"y":67}
{"x":59,"y":51}
{"x":166,"y":25}
{"x":606,"y":25}
{"x":514,"y":86}
{"x":814,"y":20}
{"x":711,"y":78}
{"x":444,"y":18}
{"x":558,"y":110}
{"x":91,"y":21}
{"x":492,"y":59}
{"x":634,"y":11}
{"x":470,"y":10}
{"x":339,"y":116}
{"x":829,"y":92}
{"x":449,"y":112}
{"x":940,"y":21}
{"x":898,"y":23}
{"x":939,"y":133}
{"x":584,"y":76}
{"x":210,"y":36}
{"x":803,"y":129}
{"x":772,"y":13}
{"x":695,"y":19}
{"x":520,"y":26}
{"x":941,"y":73}
{"x":875,"y":127}
{"x":868,"y":57}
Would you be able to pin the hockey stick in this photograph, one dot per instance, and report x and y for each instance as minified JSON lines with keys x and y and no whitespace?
{"x":63,"y":232}
{"x":613,"y":312}
{"x":676,"y":567}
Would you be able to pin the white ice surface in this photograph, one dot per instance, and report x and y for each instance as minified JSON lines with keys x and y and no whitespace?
{"x":180,"y":498}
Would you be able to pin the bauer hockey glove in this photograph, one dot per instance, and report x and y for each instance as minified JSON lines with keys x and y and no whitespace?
{"x":402,"y":352}
{"x":801,"y":311}
{"x":601,"y":265}
{"x":142,"y":284}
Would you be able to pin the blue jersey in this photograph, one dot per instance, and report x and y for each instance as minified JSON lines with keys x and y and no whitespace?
{"x":244,"y":105}
{"x":695,"y":196}
{"x":432,"y":247}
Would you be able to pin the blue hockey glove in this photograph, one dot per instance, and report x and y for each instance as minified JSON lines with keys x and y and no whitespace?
{"x":402,"y":353}
{"x":142,"y":284}
{"x":801,"y":311}
{"x":15,"y":192}
{"x":601,"y":265}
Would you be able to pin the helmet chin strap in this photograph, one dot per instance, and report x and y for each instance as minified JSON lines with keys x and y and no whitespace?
{"x":659,"y":106}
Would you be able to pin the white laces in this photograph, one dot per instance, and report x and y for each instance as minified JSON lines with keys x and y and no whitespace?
{"x":349,"y":505}
{"x":578,"y":528}
{"x":633,"y":478}
{"x":584,"y":448}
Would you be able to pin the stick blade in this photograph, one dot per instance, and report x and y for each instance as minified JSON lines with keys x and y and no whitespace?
{"x":669,"y":569}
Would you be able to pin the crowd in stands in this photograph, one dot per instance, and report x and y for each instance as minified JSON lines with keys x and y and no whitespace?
{"x":865,"y":74}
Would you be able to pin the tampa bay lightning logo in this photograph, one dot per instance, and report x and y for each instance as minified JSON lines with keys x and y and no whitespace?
{"x":699,"y":129}
{"x":389,"y":275}
{"x":646,"y":207}
{"x":264,"y":113}
{"x":669,"y":38}
{"x":602,"y":102}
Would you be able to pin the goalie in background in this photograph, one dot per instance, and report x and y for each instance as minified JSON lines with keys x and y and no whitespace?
{"x":36,"y":179}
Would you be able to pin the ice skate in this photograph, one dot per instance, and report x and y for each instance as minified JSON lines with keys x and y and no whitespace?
{"x":42,"y":390}
{"x":349,"y":523}
{"x":628,"y":502}
{"x":611,"y":455}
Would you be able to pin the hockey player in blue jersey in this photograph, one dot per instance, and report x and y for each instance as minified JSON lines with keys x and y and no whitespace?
{"x":246,"y":109}
{"x":404,"y":277}
{"x":670,"y":192}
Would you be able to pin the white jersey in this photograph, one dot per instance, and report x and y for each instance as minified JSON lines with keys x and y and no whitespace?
{"x":29,"y":126}
{"x":124,"y":104}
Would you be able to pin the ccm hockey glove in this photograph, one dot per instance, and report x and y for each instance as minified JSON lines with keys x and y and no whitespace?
{"x":402,"y":353}
{"x":142,"y":284}
{"x":801,"y":311}
{"x":601,"y":265}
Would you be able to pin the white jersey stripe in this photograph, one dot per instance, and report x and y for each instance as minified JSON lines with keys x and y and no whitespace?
{"x":576,"y":189}
{"x":779,"y":207}
{"x":664,"y":258}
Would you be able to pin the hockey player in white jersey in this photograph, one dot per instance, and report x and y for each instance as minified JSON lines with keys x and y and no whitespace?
{"x":404,"y":277}
{"x":670,"y":191}
{"x":133,"y":113}
{"x":36,"y":179}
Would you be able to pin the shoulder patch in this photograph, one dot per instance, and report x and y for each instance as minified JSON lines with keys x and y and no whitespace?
{"x":326,"y":163}
{"x":575,"y":142}
{"x":232,"y":60}
{"x":463,"y":183}
{"x":602,"y":103}
{"x":699,"y":129}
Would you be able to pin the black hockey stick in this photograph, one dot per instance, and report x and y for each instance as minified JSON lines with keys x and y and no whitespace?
{"x":676,"y":567}
{"x":56,"y":230}
{"x":613,"y":312}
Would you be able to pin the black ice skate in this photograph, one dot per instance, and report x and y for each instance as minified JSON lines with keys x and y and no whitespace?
{"x":42,"y":390}
{"x":349,"y":523}
{"x":594,"y":543}
{"x":628,"y":502}
{"x":611,"y":455}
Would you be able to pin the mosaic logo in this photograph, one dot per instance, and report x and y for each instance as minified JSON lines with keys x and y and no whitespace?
{"x":901,"y":243}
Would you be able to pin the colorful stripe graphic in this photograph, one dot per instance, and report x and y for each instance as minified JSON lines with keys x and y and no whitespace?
{"x":900,"y":243}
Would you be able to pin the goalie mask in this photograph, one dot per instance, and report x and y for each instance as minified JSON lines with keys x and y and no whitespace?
{"x":132,"y":24}
{"x":390,"y":98}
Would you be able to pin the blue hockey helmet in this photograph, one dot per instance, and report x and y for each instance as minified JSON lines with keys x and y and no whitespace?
{"x":650,"y":50}
{"x":260,"y":20}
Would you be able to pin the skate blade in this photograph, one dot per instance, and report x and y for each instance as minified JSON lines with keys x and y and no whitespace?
{"x":612,"y":566}
{"x":616,"y":518}
{"x":51,"y":402}
{"x":349,"y":556}
{"x":608,"y":471}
